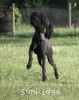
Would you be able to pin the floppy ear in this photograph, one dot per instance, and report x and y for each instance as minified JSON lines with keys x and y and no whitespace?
{"x":44,"y":20}
{"x":49,"y":31}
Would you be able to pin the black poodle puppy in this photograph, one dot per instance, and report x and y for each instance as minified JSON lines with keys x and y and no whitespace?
{"x":40,"y":44}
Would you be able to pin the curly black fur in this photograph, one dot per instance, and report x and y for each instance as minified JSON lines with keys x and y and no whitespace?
{"x":41,"y":48}
{"x":40,"y":19}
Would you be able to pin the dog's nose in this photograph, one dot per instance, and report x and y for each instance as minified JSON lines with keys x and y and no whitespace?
{"x":42,"y":36}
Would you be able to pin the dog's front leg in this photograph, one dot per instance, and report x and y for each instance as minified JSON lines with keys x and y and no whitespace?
{"x":43,"y":59}
{"x":44,"y":68}
{"x":31,"y":49}
{"x":30,"y":59}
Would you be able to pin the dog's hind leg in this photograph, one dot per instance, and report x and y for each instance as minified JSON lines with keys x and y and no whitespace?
{"x":41,"y":61}
{"x":51,"y":61}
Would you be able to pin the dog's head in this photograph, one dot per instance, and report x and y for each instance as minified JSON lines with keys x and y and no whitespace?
{"x":39,"y":31}
{"x":40,"y":22}
{"x":35,"y":19}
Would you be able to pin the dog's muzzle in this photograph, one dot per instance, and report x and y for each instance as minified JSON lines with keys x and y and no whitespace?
{"x":42,"y":36}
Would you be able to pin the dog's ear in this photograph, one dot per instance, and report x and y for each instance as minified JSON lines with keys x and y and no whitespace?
{"x":49,"y":31}
{"x":44,"y":20}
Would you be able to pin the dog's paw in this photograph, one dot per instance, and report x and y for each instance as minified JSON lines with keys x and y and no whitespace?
{"x":44,"y":78}
{"x":29,"y":65}
{"x":56,"y":75}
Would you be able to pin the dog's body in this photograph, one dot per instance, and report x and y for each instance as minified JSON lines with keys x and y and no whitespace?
{"x":41,"y":48}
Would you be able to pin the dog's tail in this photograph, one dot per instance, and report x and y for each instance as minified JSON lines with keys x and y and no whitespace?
{"x":49,"y":31}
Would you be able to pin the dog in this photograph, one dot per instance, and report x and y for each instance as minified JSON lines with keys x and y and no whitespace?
{"x":41,"y":46}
